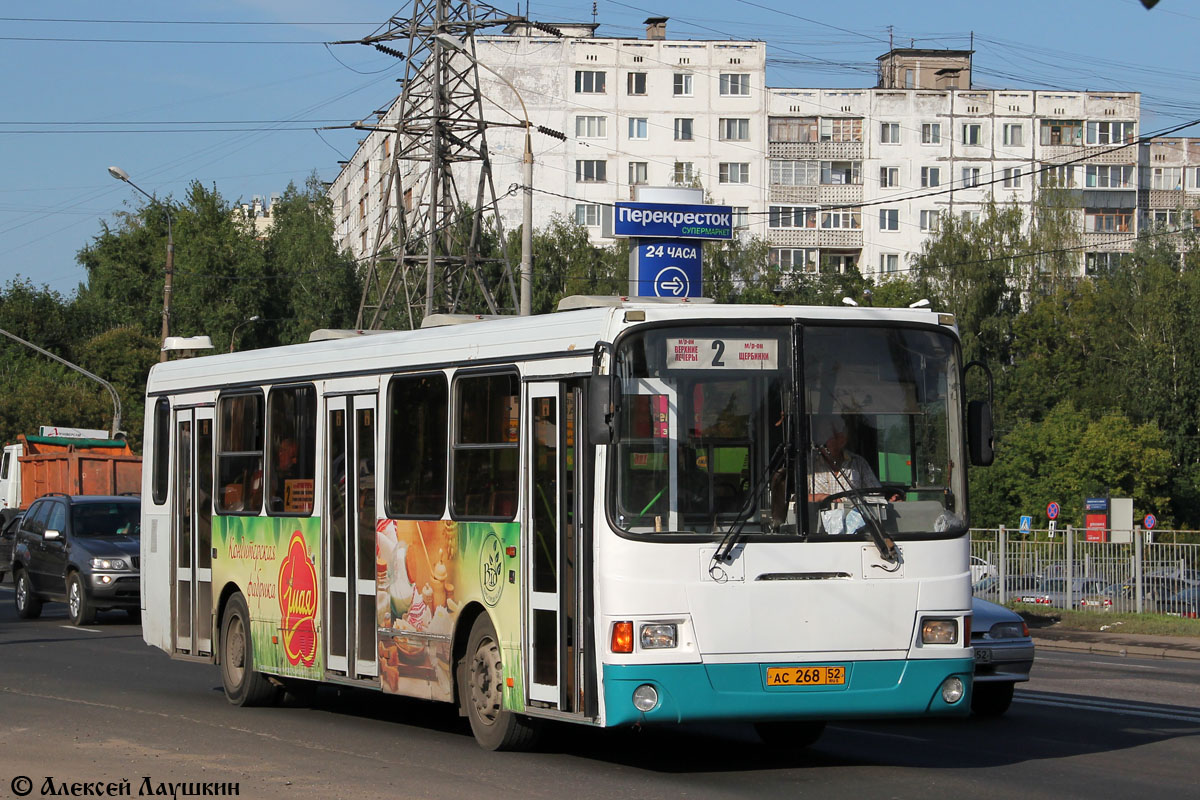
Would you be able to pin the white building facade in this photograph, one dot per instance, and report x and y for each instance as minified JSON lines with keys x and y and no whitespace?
{"x":834,"y":179}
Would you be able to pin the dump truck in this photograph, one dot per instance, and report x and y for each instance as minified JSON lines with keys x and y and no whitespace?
{"x":68,"y":460}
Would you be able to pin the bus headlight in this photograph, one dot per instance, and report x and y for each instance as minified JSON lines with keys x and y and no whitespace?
{"x":952,"y":690}
{"x":939,"y":631}
{"x":658,"y":636}
{"x":645,"y":698}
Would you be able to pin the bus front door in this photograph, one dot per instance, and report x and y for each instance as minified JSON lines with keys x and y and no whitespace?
{"x":558,"y":641}
{"x":349,"y":535}
{"x":191,"y":520}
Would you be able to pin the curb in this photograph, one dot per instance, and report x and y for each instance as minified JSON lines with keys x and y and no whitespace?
{"x":1115,"y":649}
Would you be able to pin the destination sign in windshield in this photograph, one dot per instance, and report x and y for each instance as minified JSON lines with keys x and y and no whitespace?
{"x":753,"y":354}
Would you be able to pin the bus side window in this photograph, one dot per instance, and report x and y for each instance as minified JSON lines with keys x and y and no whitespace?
{"x":240,"y":454}
{"x":417,"y":415}
{"x":291,"y":467}
{"x":485,"y":448}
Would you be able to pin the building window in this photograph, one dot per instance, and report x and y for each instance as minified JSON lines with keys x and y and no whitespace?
{"x":1193,"y":174}
{"x":1060,"y":132}
{"x":845,"y":219}
{"x":930,"y":221}
{"x":1061,"y":177}
{"x":735,"y":84}
{"x":741,"y":216}
{"x":485,"y":449}
{"x":1110,"y":132}
{"x":889,"y":219}
{"x":418,"y":426}
{"x":970,"y":177}
{"x":588,"y":127}
{"x":909,"y":83}
{"x":682,"y":84}
{"x":889,"y":177}
{"x":1107,"y":220}
{"x":794,"y":259}
{"x":931,"y":133}
{"x":841,"y":129}
{"x":969,"y":217}
{"x":972,"y":134}
{"x":889,"y":263}
{"x":591,"y":171}
{"x":1013,"y":134}
{"x":637,"y":172}
{"x":889,"y":132}
{"x":1167,"y":178}
{"x":636,"y":83}
{"x":839,"y":263}
{"x":1108,"y":177}
{"x":639,"y":128}
{"x":1012,"y":177}
{"x":587,"y":214}
{"x":1167,"y":218}
{"x":1099,"y":263}
{"x":795,"y":173}
{"x":735,"y":129}
{"x":684,"y":172}
{"x":683,"y":129}
{"x":791,"y":217}
{"x":792,"y":129}
{"x":841,"y":173}
{"x":733,"y":172}
{"x":931,"y":176}
{"x":589,"y":81}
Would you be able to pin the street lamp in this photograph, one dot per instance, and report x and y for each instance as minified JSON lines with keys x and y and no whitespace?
{"x":233,"y":336}
{"x":116,"y":399}
{"x":527,"y":204}
{"x":122,"y":175}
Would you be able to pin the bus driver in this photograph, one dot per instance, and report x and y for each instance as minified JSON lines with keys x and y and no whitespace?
{"x":833,"y":469}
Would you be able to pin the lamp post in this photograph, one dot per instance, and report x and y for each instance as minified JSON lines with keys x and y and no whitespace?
{"x":526,"y":281}
{"x":122,"y":175}
{"x":233,"y":336}
{"x":116,"y":399}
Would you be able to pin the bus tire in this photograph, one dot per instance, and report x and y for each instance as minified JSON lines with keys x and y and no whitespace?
{"x":790,"y":735}
{"x":29,"y":605}
{"x":480,"y":676}
{"x":244,"y":686}
{"x":991,"y":699}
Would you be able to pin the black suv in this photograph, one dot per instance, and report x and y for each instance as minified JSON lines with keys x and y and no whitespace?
{"x":83,"y":550}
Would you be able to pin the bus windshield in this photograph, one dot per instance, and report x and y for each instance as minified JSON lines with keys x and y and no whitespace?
{"x":815,"y":432}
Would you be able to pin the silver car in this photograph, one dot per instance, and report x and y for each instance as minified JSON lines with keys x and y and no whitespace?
{"x":1003,"y":656}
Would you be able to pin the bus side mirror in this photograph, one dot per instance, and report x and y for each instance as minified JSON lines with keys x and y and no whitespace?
{"x":600,"y":409}
{"x":979,"y":432}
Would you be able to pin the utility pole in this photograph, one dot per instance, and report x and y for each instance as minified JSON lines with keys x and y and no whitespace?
{"x":426,"y":253}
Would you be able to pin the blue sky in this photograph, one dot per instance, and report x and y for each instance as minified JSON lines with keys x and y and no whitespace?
{"x":160,"y":91}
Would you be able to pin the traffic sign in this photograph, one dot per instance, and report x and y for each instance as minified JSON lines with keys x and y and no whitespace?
{"x":1052,"y":510}
{"x":1053,"y":527}
{"x":1026,"y":524}
{"x":1149,"y":522}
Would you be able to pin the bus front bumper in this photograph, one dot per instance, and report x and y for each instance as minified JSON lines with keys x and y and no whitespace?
{"x":707,"y":692}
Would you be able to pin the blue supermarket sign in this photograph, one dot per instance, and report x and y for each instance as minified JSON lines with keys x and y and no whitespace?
{"x":668,"y":268}
{"x":674,"y":220}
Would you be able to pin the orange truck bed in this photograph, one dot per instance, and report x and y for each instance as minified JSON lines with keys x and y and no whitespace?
{"x":77,"y":466}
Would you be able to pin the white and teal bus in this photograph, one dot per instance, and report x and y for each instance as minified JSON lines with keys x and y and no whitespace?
{"x":630,"y":512}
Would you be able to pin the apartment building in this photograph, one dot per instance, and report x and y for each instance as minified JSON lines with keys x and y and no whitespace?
{"x":834,"y":179}
{"x":1169,"y":195}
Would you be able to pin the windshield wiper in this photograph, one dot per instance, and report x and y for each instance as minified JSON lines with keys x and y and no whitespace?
{"x":883,"y":543}
{"x":734,"y":535}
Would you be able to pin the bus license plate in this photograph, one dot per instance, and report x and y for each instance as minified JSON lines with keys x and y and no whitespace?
{"x":806,"y":676}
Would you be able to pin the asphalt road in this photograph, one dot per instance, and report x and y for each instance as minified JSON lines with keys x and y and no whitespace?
{"x":97,"y":704}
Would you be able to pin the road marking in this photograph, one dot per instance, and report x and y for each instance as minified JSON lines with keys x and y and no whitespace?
{"x":1109,"y":664}
{"x":1128,"y":708}
{"x":85,"y":630}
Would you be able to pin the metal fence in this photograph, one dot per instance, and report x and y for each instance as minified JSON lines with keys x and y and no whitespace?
{"x":1070,"y":572}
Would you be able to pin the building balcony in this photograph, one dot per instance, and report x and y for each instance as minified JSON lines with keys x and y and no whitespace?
{"x":1122,"y":241}
{"x":1106,"y":154}
{"x":816,"y":151}
{"x":836,"y":195}
{"x":799,"y":195}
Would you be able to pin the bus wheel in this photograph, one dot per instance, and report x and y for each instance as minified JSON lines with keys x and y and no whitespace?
{"x":481,"y":690}
{"x":790,"y":735}
{"x":243,"y":685}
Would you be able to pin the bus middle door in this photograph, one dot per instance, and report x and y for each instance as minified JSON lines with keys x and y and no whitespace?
{"x":558,"y":637}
